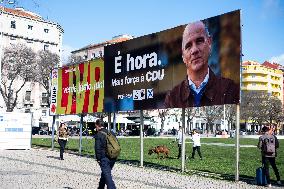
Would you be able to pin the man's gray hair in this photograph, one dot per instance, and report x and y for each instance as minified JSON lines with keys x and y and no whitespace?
{"x":190,"y":24}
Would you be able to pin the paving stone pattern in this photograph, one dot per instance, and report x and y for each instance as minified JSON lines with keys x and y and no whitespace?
{"x":41,"y":168}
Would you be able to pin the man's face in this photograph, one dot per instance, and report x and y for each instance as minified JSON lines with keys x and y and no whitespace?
{"x":196,"y":47}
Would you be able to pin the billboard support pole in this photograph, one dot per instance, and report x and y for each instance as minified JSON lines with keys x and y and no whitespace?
{"x":183,"y":141}
{"x":109,"y":121}
{"x":80,"y":140}
{"x":237,"y":142}
{"x":52,"y":133}
{"x":141,"y":137}
{"x":114,"y":122}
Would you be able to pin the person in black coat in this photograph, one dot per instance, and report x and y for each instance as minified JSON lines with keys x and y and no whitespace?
{"x":104,"y":161}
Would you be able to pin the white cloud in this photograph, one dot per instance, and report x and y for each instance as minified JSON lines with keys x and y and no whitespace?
{"x":66,"y":52}
{"x":278,"y":59}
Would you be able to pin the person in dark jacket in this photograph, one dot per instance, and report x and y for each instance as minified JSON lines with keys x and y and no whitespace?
{"x":269,"y":157}
{"x":201,"y":87}
{"x":105,"y":162}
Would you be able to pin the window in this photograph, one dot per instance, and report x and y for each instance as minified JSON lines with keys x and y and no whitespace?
{"x":44,"y":98}
{"x":30,"y":27}
{"x":13,"y":24}
{"x":45,"y":47}
{"x":28,"y":79}
{"x":28,"y":96}
{"x":43,"y":113}
{"x":46,"y":30}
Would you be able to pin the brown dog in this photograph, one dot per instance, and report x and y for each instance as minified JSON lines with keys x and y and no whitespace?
{"x":160,"y":149}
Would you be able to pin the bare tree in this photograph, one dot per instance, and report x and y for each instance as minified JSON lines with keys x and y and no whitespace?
{"x":260,"y":107}
{"x":17,"y":67}
{"x":162,"y":115}
{"x":190,"y":114}
{"x":253,"y":106}
{"x":274,"y":111}
{"x":73,"y":60}
{"x":46,"y":61}
{"x":211,"y":114}
{"x":230,"y":114}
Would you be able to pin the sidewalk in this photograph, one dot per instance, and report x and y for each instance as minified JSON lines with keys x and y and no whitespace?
{"x":39,"y":168}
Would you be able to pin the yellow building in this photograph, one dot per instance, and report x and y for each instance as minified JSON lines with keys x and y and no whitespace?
{"x":262,"y":77}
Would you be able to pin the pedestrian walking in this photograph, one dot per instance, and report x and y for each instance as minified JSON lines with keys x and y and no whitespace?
{"x":62,"y":138}
{"x":106,"y":163}
{"x":179,"y":139}
{"x":268,"y":143}
{"x":196,"y":144}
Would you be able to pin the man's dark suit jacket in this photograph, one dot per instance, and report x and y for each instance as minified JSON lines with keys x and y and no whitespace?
{"x":218,"y":91}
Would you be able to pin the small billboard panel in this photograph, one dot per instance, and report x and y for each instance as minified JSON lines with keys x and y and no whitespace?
{"x":15,"y":130}
{"x":78,"y":88}
{"x":157,"y":70}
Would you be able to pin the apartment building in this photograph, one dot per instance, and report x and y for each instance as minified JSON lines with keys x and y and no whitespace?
{"x":97,"y":50}
{"x":19,"y":26}
{"x":262,"y":77}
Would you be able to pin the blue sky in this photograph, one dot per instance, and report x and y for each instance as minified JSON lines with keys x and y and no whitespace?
{"x":89,"y":21}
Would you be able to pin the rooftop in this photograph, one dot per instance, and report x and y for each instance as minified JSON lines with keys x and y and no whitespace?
{"x":19,"y":11}
{"x":116,"y":39}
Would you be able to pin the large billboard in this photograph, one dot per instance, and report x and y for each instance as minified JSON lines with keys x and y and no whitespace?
{"x":78,"y":89}
{"x":196,"y":64}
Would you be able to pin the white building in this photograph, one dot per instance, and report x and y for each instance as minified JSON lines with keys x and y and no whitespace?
{"x":22,"y":26}
{"x":97,"y":50}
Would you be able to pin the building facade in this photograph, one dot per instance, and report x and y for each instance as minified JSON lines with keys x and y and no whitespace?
{"x":19,"y":26}
{"x":262,"y":77}
{"x":93,"y":51}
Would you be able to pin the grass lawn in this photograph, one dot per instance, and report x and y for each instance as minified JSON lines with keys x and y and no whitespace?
{"x":218,"y":161}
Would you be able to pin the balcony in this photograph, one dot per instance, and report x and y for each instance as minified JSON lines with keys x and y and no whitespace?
{"x":28,"y":103}
{"x":254,"y":88}
{"x":254,"y":71}
{"x":255,"y":79}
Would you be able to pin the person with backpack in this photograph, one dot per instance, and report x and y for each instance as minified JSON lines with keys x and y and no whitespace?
{"x":268,"y":143}
{"x":107,"y":150}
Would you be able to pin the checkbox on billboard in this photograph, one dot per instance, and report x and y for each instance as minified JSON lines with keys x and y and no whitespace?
{"x":150,"y":93}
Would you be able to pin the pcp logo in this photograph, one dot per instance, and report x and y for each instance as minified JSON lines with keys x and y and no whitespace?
{"x":139,"y":94}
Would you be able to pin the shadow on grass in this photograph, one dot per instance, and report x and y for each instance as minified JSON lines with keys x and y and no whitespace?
{"x":149,"y":164}
{"x":203,"y":173}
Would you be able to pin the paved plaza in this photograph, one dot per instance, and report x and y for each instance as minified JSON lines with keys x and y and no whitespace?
{"x":41,"y":168}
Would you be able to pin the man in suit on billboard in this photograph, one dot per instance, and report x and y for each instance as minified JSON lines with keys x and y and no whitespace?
{"x":201,"y":86}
